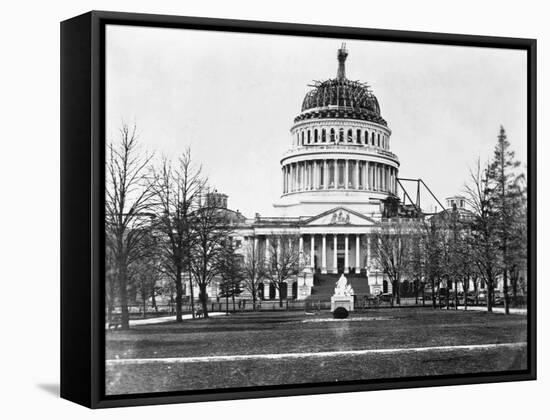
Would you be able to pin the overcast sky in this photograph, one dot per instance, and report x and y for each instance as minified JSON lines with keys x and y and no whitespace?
{"x":232,"y":98}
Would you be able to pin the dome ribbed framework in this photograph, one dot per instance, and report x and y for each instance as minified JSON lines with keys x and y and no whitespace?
{"x":342,"y":93}
{"x":341,"y":98}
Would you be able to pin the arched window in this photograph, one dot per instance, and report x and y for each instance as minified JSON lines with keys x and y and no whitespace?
{"x":378,"y":139}
{"x":302,"y":138}
{"x":341,"y":135}
{"x":332,"y":135}
{"x":372,"y":138}
{"x":350,"y":136}
{"x":366,"y":138}
{"x":324,"y":135}
{"x":315,"y":136}
{"x":308,"y":136}
{"x":358,"y":136}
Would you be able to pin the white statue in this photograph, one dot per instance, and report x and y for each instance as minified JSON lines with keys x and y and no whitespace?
{"x":342,"y":287}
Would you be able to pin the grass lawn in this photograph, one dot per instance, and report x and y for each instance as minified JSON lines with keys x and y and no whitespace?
{"x":296,"y":332}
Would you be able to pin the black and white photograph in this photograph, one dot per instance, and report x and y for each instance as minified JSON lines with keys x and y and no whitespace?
{"x":286,"y":210}
{"x":275,"y":210}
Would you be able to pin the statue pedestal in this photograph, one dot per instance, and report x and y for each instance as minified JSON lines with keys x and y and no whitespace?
{"x":337,"y":301}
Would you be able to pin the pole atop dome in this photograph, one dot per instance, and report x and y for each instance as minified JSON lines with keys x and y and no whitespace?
{"x":342,"y":55}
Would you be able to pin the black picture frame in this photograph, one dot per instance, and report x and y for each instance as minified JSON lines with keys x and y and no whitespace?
{"x":82,"y":204}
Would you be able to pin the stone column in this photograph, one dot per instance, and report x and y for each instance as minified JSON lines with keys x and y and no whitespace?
{"x":311,"y":175}
{"x":356,"y":174}
{"x":312,"y":253}
{"x":278,"y":249}
{"x":373,"y":166}
{"x":301,"y":249}
{"x":325,"y":174}
{"x":346,"y":175}
{"x":357,"y":254}
{"x":288,"y":179}
{"x":266,"y":249}
{"x":374,"y":176}
{"x":335,"y":255}
{"x":346,"y":254}
{"x":324,"y":255}
{"x":314,"y":166}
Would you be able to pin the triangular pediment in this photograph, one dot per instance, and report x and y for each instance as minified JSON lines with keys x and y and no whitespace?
{"x":340,"y":216}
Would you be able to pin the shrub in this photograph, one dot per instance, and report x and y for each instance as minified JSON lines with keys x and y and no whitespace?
{"x":340,"y":313}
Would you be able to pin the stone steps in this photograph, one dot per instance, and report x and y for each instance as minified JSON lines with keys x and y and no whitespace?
{"x":324,"y":284}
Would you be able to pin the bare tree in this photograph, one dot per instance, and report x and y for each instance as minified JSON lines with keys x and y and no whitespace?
{"x":145,"y":275}
{"x":390,"y":250}
{"x":484,"y":234}
{"x":254,"y":268}
{"x":231,"y":273}
{"x":416,"y":264}
{"x":127,"y":209}
{"x":111,"y":291}
{"x":177,"y":191}
{"x":212,"y":229}
{"x":283,"y":262}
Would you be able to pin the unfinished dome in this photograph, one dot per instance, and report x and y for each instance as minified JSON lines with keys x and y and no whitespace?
{"x":341,"y":98}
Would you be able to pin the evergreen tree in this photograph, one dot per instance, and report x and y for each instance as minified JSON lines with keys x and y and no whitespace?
{"x":507,"y":196}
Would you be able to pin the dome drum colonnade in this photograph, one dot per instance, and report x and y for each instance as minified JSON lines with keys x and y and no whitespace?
{"x":342,"y":173}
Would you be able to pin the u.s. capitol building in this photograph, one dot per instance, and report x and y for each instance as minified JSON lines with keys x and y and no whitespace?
{"x":336,"y":175}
